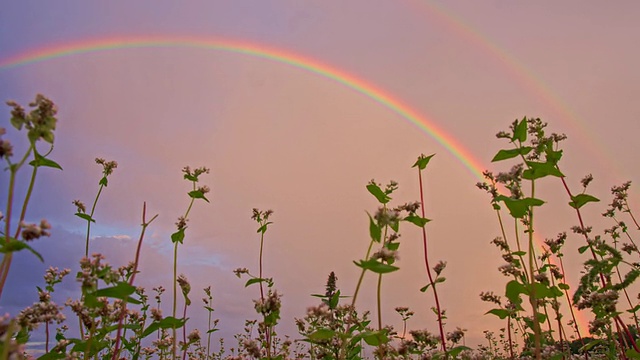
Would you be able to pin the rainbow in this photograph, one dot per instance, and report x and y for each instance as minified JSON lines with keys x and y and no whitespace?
{"x":529,"y":81}
{"x":428,"y":126}
{"x":259,"y":51}
{"x":525,"y":76}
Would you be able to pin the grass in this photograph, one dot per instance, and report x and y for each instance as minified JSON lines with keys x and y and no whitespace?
{"x":115,"y":319}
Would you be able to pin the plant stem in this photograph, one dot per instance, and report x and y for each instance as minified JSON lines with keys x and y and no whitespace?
{"x":13,"y":170}
{"x":175,"y":278}
{"x":602,"y":279}
{"x":355,"y":293}
{"x":426,"y":262}
{"x":532,"y":297}
{"x":136,"y":262}
{"x":93,"y":209}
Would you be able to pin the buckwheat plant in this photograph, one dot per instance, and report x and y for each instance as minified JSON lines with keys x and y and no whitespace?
{"x":107,"y":169}
{"x":331,"y":328}
{"x":39,"y":124}
{"x":212,"y":326}
{"x":539,"y":159}
{"x":421,"y":221}
{"x":268,"y":305}
{"x":197,"y":192}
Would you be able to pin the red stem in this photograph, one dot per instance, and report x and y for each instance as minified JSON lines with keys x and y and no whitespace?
{"x":133,"y":276}
{"x":426,"y":262}
{"x":604,"y":283}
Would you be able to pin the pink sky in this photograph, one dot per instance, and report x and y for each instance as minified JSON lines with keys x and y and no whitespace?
{"x":282,"y":138}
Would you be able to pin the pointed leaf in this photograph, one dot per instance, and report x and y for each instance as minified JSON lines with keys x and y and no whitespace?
{"x":375,"y":190}
{"x":122,"y":291}
{"x":501,"y":313}
{"x":322,"y":334}
{"x":417,"y":220}
{"x":197,"y":194}
{"x":374,"y":230}
{"x":457,"y":350}
{"x":375,"y":338}
{"x":43,"y":161}
{"x":539,"y":170}
{"x":376,"y":266}
{"x":520,"y":131}
{"x":518,"y":208}
{"x":254,"y":281}
{"x":422,"y":161}
{"x":84,"y":216}
{"x":513,"y":291}
{"x":178,"y":236}
{"x":511,"y":153}
{"x":580,"y":200}
{"x":15,"y":245}
{"x":167,"y":323}
{"x":393,"y":246}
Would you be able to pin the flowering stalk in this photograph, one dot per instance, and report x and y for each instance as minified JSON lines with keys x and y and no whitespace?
{"x":40,"y":124}
{"x":178,"y":236}
{"x":421,"y":165}
{"x":262,"y":218}
{"x":145,"y":224}
{"x":576,"y":204}
{"x":107,"y":169}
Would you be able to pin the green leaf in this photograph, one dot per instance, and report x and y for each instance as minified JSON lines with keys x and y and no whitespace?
{"x":632,"y":354}
{"x":122,"y":291}
{"x":191,"y":177}
{"x":374,"y":230}
{"x":333,"y":302}
{"x":457,"y":350}
{"x":178,"y":236}
{"x":376,"y":266}
{"x":84,"y":216}
{"x":553,"y":156}
{"x":422,"y":161}
{"x":16,"y":122}
{"x":43,"y":161}
{"x":634,"y":309}
{"x":103,"y":181}
{"x":393,"y":246}
{"x":167,"y":323}
{"x":254,"y":281}
{"x":424,"y":288}
{"x":15,"y":245}
{"x":563,"y":286}
{"x":580,"y":200}
{"x":417,"y":220}
{"x":545,"y":291}
{"x":52,"y":356}
{"x":513,"y":291}
{"x":322,"y":334}
{"x":518,"y":253}
{"x":23,"y":336}
{"x":518,"y":208}
{"x":375,"y":190}
{"x":197,"y":194}
{"x":511,"y":153}
{"x":212,"y":330}
{"x":520,"y":131}
{"x":375,"y":338}
{"x":501,"y":313}
{"x":582,"y":249}
{"x":263,"y":229}
{"x":539,"y":170}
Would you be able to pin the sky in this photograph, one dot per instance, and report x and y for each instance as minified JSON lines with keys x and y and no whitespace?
{"x":295,"y":106}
